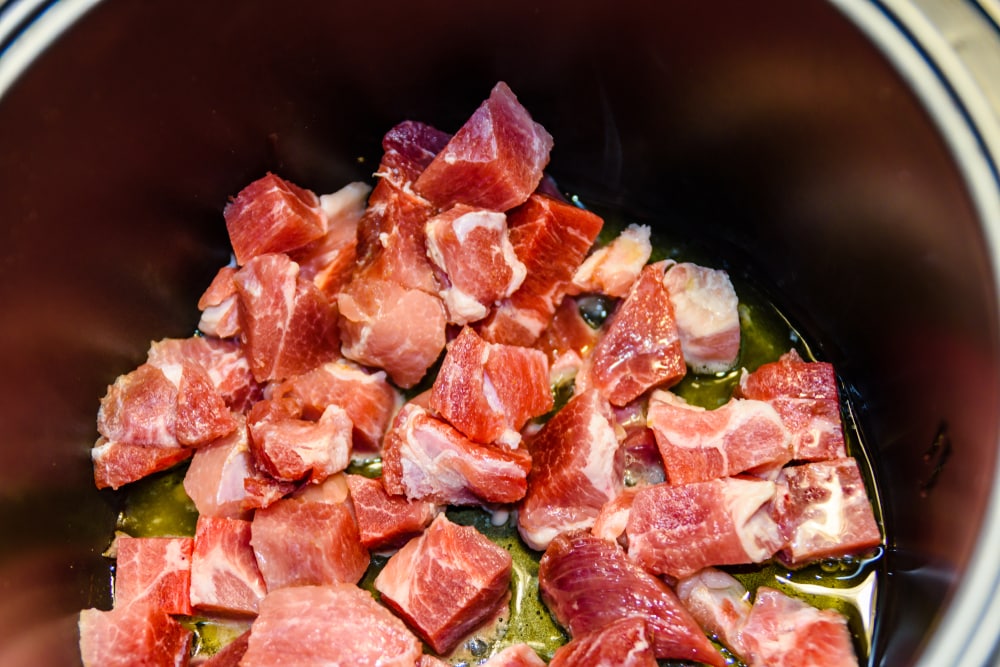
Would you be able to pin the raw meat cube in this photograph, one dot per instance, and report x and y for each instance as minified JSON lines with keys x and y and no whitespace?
{"x":612,"y":269}
{"x":119,"y":463}
{"x":290,"y":449}
{"x":215,"y":479}
{"x":719,"y":603}
{"x":225,"y":578}
{"x":155,"y":571}
{"x":386,"y":521}
{"x":137,"y":635}
{"x":707,"y":315}
{"x":223,"y":360}
{"x":625,"y":642}
{"x":219,"y":307}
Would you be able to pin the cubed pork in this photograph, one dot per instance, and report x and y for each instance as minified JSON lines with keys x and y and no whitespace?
{"x":707,"y":312}
{"x":215,"y":479}
{"x":225,"y":578}
{"x":289,"y":448}
{"x":387,"y":521}
{"x":612,"y":269}
{"x":136,"y":635}
{"x":155,"y":571}
{"x":625,"y":642}
{"x":720,"y":604}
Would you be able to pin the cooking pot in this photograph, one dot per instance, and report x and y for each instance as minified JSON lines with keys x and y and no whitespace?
{"x":841,"y":155}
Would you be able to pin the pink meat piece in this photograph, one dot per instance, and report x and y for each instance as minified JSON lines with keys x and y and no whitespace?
{"x":337,"y":624}
{"x":425,"y":458}
{"x":119,"y":463}
{"x":223,"y":360}
{"x":386,"y":521}
{"x":202,"y":415}
{"x":625,"y":642}
{"x":567,"y":332}
{"x":367,"y":398}
{"x":720,"y":604}
{"x":231,"y":653}
{"x":476,"y":261}
{"x":388,"y":326}
{"x":225,"y":578}
{"x":643,"y":463}
{"x":289,"y":327}
{"x":219,"y":307}
{"x":678,"y":530}
{"x":329,"y":260}
{"x":577,"y":467}
{"x":515,"y":655}
{"x":708,"y":320}
{"x":140,"y":408}
{"x":446,"y":582}
{"x":289,"y":448}
{"x":641,"y":346}
{"x":612,"y":519}
{"x":272,"y":215}
{"x":494,"y":161}
{"x":155,"y":571}
{"x":300,"y":542}
{"x":783,"y":631}
{"x":805,"y":395}
{"x":427,"y":660}
{"x":262,"y":490}
{"x":589,"y":583}
{"x":489,"y":391}
{"x":698,"y":444}
{"x":136,"y":635}
{"x":215,"y":479}
{"x":824,"y":511}
{"x":551,"y":238}
{"x":409,"y":147}
{"x":612,"y":269}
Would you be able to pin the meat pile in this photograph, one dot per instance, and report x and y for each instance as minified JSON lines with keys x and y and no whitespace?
{"x":463,"y":256}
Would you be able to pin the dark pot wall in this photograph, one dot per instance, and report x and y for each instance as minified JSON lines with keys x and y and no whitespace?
{"x":777,"y":128}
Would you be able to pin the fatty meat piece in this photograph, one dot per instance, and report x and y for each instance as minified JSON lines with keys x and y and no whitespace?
{"x":219,"y":307}
{"x":225,"y":578}
{"x":577,"y":467}
{"x":386,"y":325}
{"x":329,"y":260}
{"x":338,"y":624}
{"x":446,"y":582}
{"x":612,"y":519}
{"x":612,"y":269}
{"x":720,"y":604}
{"x":515,"y":655}
{"x":489,"y":391}
{"x":783,"y":631}
{"x":425,"y":458}
{"x":678,"y":530}
{"x":289,"y":327}
{"x":476,"y":262}
{"x":805,"y":395}
{"x":290,"y":449}
{"x":136,"y":635}
{"x":551,"y":238}
{"x":301,"y":542}
{"x":230,"y":654}
{"x":706,"y":309}
{"x":409,"y":148}
{"x":698,"y":444}
{"x":494,"y":161}
{"x":154,"y":571}
{"x":824,"y":511}
{"x":223,"y":360}
{"x":589,"y":583}
{"x":367,"y":397}
{"x":386,"y":521}
{"x":640,"y":347}
{"x":272,"y":215}
{"x":119,"y":463}
{"x":625,"y":642}
{"x":215,"y":479}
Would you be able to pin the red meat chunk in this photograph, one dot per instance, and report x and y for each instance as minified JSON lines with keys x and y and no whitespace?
{"x":300,"y":541}
{"x":272,"y":215}
{"x":391,"y":327}
{"x":783,"y":631}
{"x":805,"y":395}
{"x":489,"y":391}
{"x":678,"y":530}
{"x":613,"y":517}
{"x":409,"y":147}
{"x":641,"y":346}
{"x":707,"y":315}
{"x":288,"y":325}
{"x":338,"y":624}
{"x":225,"y":578}
{"x":231,"y":653}
{"x":289,"y":448}
{"x":589,"y":583}
{"x":385,"y":521}
{"x":219,"y":307}
{"x":155,"y":571}
{"x":551,"y":238}
{"x":215,"y":479}
{"x":577,"y":467}
{"x":698,"y":444}
{"x":612,"y":269}
{"x":223,"y":360}
{"x":720,"y":604}
{"x":425,"y":458}
{"x":136,"y":635}
{"x":823,"y":510}
{"x":367,"y":398}
{"x":119,"y":463}
{"x":515,"y":655}
{"x":625,"y":642}
{"x":494,"y":161}
{"x":446,"y":582}
{"x":476,"y":261}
